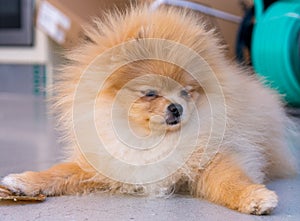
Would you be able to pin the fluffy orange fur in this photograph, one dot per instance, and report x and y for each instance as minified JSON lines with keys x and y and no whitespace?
{"x":253,"y":147}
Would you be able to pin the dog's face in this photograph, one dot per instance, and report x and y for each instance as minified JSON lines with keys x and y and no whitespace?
{"x":161,"y":101}
{"x":155,"y":95}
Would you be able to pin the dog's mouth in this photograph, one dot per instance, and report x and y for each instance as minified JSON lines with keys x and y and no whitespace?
{"x":172,"y":120}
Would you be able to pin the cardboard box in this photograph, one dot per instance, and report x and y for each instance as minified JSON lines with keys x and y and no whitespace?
{"x":226,"y":27}
{"x":62,"y":20}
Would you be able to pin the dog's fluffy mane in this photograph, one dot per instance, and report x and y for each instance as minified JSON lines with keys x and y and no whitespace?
{"x":255,"y":121}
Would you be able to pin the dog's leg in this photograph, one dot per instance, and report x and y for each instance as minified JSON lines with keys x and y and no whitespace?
{"x":64,"y":178}
{"x":225,"y":183}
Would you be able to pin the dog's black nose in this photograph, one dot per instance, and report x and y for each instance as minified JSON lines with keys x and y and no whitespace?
{"x":175,"y":109}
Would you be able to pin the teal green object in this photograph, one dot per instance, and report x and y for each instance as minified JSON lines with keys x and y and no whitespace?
{"x":275,"y":47}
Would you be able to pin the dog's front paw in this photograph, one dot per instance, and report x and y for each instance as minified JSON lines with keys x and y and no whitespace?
{"x":21,"y":184}
{"x":257,"y":200}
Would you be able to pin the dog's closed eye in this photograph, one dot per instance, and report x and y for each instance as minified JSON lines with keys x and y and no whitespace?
{"x":185,"y":93}
{"x":150,"y":94}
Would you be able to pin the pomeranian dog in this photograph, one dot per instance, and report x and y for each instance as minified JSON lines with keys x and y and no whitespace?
{"x":149,"y":105}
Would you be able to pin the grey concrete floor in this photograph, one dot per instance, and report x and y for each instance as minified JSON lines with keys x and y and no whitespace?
{"x":28,"y":142}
